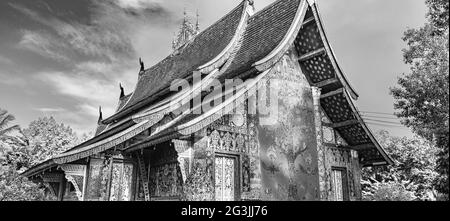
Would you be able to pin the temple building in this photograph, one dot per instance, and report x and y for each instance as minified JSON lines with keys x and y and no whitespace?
{"x":287,"y":129}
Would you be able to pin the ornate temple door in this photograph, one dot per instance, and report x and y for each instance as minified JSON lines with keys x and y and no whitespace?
{"x":339,"y":180}
{"x":121,"y":183}
{"x":225,"y":178}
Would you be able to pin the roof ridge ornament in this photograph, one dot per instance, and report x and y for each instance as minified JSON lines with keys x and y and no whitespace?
{"x":251,"y":9}
{"x":186,"y":32}
{"x":122,"y":91}
{"x":197,"y":24}
{"x":142,"y":65}
{"x":100,"y":115}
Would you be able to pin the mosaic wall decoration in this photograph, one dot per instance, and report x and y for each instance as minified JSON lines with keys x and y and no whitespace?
{"x":165,"y":174}
{"x":199,"y":185}
{"x":328,"y":133}
{"x":246,"y":173}
{"x":167,"y":180}
{"x":97,"y":180}
{"x":289,"y":146}
{"x":121,"y":183}
{"x":226,"y":141}
{"x":251,"y":185}
{"x":230,"y":135}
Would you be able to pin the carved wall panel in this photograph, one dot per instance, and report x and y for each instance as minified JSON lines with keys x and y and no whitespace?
{"x":166,"y":180}
{"x":121,"y":181}
{"x":199,"y":185}
{"x":97,"y":181}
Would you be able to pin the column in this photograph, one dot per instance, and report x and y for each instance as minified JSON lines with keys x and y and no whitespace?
{"x":320,"y":147}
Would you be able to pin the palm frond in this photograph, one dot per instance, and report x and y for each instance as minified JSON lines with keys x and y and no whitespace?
{"x":9,"y":129}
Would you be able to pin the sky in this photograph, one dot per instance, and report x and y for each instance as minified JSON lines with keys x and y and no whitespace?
{"x":65,"y":58}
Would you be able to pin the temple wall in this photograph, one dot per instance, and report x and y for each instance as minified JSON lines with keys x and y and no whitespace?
{"x":227,"y":137}
{"x":287,"y":141}
{"x":335,"y":157}
{"x":165,"y":181}
{"x":348,"y":160}
{"x":199,"y":184}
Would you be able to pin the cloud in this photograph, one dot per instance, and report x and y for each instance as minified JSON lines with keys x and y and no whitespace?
{"x":137,"y":4}
{"x":43,"y":44}
{"x":5,"y":60}
{"x":83,"y":87}
{"x":99,"y":40}
{"x":11,"y":80}
{"x":49,"y":109}
{"x":97,"y":53}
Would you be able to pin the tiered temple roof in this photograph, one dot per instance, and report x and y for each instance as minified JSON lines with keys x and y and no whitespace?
{"x":241,"y":44}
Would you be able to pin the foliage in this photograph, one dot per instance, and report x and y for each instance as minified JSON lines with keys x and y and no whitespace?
{"x":13,"y":159}
{"x":422,"y":96}
{"x":414,"y":171}
{"x":387,"y":191}
{"x":14,"y":187}
{"x":5,"y":120}
{"x":46,"y":138}
{"x":438,"y":14}
{"x":40,"y":141}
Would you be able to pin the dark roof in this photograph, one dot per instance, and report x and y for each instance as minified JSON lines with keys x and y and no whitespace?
{"x":264,"y":32}
{"x":203,"y":48}
{"x":122,"y":101}
{"x":100,"y":128}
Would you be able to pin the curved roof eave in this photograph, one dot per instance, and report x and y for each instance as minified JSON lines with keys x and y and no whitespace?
{"x":330,"y":52}
{"x":368,"y":131}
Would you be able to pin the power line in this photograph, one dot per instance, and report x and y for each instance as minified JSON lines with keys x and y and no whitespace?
{"x":381,"y":113}
{"x":391,"y":126}
{"x":382,"y":121}
{"x":381,"y":117}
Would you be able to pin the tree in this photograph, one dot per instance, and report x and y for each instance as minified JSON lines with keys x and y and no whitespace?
{"x":46,"y":138}
{"x":387,"y":191}
{"x":5,"y":120}
{"x":422,"y":96}
{"x":43,"y":139}
{"x":410,"y":178}
{"x":13,"y":158}
{"x":14,"y":187}
{"x":438,"y":14}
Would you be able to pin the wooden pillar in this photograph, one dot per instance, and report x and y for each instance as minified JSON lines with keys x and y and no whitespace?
{"x":85,"y":179}
{"x":62,"y":188}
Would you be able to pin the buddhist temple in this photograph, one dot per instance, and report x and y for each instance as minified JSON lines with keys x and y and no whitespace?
{"x":287,"y":129}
